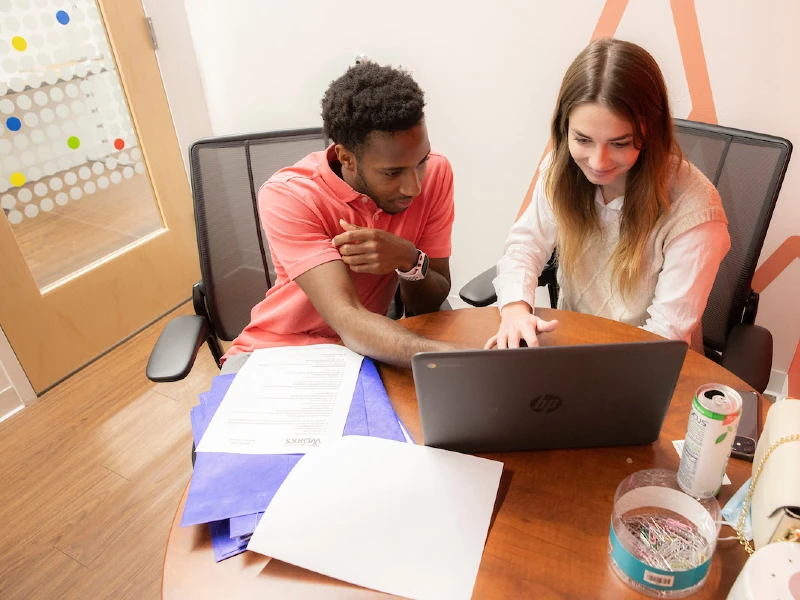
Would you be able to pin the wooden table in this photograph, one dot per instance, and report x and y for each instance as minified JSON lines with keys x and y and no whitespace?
{"x":549,"y":533}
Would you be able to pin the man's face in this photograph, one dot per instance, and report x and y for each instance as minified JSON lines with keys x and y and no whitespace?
{"x":391,"y":167}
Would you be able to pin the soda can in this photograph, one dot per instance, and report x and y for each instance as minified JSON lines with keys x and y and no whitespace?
{"x":713,"y":420}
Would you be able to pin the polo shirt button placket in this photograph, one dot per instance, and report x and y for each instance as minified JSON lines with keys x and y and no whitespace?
{"x":364,"y":199}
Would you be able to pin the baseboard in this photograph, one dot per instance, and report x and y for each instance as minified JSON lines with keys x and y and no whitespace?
{"x":14,"y":374}
{"x":778,"y":385}
{"x":9,"y":403}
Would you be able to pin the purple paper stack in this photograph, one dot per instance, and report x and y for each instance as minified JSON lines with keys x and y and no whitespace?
{"x":231,"y":491}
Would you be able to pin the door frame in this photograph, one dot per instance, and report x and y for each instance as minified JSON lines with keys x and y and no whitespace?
{"x":16,"y":391}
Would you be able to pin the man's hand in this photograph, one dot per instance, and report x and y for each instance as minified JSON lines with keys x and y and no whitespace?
{"x":374,"y":251}
{"x":518,"y":323}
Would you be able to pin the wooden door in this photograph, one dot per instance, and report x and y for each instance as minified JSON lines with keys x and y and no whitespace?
{"x":97,"y":231}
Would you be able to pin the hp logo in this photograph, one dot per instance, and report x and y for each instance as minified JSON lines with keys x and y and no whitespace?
{"x":546,"y":403}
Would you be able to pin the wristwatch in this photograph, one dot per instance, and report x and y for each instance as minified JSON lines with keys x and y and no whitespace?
{"x":419,"y":271}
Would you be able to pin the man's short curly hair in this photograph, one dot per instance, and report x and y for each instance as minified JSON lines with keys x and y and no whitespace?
{"x":370,"y":97}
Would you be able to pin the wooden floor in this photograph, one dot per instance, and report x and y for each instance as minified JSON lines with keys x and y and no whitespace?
{"x":90,"y":478}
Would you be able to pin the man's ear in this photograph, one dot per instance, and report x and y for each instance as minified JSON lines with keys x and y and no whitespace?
{"x":346,"y":158}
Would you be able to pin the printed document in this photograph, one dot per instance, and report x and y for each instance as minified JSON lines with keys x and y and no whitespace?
{"x":285,"y":401}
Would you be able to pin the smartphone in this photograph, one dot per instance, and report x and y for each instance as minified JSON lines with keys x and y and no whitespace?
{"x":744,"y":444}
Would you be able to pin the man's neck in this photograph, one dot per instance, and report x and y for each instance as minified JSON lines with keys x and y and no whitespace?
{"x":348,"y":177}
{"x":336,"y":167}
{"x":343,"y":174}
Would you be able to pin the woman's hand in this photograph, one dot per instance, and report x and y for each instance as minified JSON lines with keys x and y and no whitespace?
{"x":518,"y":323}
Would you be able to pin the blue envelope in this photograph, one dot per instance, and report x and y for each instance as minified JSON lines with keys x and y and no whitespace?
{"x":228,"y":485}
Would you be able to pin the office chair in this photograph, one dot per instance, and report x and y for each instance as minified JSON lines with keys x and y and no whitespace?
{"x":747,"y":169}
{"x":235,"y":265}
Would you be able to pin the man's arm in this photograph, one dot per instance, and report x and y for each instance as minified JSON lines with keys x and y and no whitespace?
{"x":427,"y":295}
{"x":334,"y":295}
{"x":366,"y":250}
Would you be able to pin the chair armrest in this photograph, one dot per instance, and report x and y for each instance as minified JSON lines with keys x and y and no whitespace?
{"x":748,"y":355}
{"x":750,"y":309}
{"x":176,"y":348}
{"x":480,"y":291}
{"x":548,"y":276}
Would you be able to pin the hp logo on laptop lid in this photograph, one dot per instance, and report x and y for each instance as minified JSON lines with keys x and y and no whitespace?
{"x":546,"y":403}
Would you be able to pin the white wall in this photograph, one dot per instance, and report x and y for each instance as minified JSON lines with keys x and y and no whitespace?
{"x":491,"y":76}
{"x":178,"y":64}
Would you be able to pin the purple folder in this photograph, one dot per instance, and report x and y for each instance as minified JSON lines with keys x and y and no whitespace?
{"x":221,"y":541}
{"x":243,"y":526}
{"x":231,"y":485}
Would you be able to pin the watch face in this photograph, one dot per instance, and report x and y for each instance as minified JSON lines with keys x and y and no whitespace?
{"x":424,"y":266}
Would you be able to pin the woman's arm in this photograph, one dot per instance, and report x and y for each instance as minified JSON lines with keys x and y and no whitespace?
{"x":691,"y":262}
{"x":528,"y":248}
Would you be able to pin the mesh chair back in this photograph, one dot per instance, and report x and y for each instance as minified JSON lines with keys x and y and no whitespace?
{"x":226,"y":173}
{"x":747,"y":170}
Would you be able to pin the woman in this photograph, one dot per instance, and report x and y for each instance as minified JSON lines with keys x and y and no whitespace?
{"x":638,"y":231}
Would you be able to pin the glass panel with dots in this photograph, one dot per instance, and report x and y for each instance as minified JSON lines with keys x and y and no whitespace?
{"x":73,"y":183}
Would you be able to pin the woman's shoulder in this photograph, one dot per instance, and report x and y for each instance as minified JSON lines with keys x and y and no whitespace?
{"x":693,"y":201}
{"x":690,"y":190}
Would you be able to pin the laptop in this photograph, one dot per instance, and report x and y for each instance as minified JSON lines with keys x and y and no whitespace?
{"x":545,"y":398}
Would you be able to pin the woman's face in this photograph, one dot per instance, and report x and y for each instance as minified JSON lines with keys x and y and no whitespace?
{"x":601,"y":144}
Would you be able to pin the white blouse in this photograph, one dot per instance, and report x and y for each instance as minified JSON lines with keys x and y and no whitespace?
{"x":691,"y":262}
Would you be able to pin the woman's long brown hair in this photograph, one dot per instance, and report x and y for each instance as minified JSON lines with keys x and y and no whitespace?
{"x":624,"y":78}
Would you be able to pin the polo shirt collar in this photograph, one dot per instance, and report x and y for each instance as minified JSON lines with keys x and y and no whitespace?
{"x":337,"y":185}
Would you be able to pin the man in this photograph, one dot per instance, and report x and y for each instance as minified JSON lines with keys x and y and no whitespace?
{"x":345,"y":224}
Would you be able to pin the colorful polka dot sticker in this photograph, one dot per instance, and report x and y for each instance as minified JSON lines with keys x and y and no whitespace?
{"x":73,"y":142}
{"x":17,"y":179}
{"x":62,"y":17}
{"x":13,"y":124}
{"x":19,"y":43}
{"x":119,"y":143}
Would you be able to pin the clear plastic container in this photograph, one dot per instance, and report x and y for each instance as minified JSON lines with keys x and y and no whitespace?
{"x":661,"y":540}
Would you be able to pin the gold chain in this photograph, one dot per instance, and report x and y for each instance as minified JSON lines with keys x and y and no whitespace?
{"x":746,"y":506}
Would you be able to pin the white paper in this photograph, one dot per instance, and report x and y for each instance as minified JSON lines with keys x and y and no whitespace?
{"x":398,"y":518}
{"x":679,"y":449}
{"x":285,"y":401}
{"x":406,"y":435}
